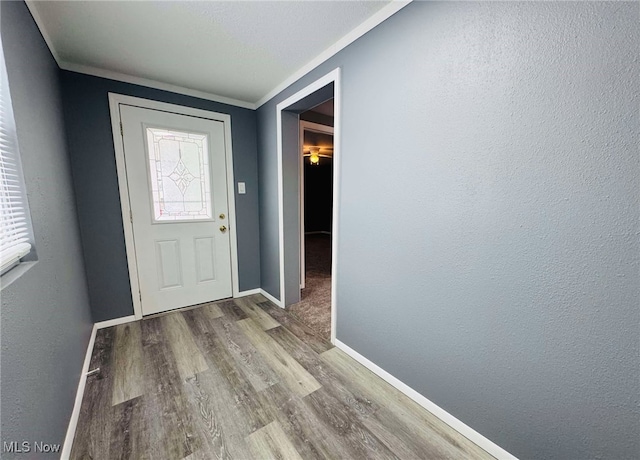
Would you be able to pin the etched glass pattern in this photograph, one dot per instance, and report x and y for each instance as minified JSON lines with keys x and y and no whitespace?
{"x":179,"y":170}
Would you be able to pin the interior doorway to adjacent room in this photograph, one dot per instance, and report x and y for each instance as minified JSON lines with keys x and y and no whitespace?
{"x":316,"y":215}
{"x":308,"y":129}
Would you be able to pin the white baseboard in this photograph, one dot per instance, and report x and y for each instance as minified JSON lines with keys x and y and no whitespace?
{"x":271,"y":298}
{"x":115,"y":322}
{"x":436,"y":410}
{"x":75,"y":415}
{"x":249,"y":292}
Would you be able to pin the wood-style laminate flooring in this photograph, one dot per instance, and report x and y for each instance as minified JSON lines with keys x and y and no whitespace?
{"x":243,"y":379}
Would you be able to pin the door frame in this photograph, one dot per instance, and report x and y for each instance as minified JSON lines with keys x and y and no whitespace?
{"x":317,"y":128}
{"x":331,"y":77}
{"x":115,"y":100}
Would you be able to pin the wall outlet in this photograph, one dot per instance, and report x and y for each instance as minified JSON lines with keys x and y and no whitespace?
{"x":241,"y":188}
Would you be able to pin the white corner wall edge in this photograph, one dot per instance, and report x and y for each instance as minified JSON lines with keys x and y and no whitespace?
{"x":271,"y":298}
{"x":379,"y":17}
{"x":465,"y":430}
{"x":75,"y":414}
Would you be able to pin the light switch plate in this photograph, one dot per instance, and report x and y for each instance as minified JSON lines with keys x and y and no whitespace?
{"x":241,"y":188}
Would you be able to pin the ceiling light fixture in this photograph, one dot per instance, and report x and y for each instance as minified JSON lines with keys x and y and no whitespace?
{"x":314,"y":156}
{"x":315,"y":152}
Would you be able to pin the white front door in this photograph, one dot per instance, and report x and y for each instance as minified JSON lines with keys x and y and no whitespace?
{"x":177,"y":180}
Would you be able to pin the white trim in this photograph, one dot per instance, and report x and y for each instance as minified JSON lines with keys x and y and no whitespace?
{"x":231,"y":202}
{"x":303,"y":261}
{"x":114,"y":102}
{"x":115,"y":321}
{"x":271,"y":298}
{"x":337,"y":161}
{"x":123,"y":188}
{"x":280,"y":205}
{"x":249,"y":292}
{"x":462,"y":428}
{"x":117,"y":76}
{"x":331,"y":77}
{"x":75,"y":414}
{"x":315,"y":127}
{"x":382,"y":15}
{"x":111,"y":75}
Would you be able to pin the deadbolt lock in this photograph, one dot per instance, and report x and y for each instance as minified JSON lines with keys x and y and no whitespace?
{"x":223,"y":228}
{"x":222,"y":216}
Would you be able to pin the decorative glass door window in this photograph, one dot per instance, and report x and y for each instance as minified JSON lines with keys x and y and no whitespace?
{"x":179,"y":175}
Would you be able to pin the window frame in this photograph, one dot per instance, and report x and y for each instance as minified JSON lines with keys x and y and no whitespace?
{"x":13,"y":194}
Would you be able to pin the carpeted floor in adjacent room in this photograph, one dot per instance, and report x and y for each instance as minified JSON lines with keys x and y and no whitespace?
{"x":315,"y":307}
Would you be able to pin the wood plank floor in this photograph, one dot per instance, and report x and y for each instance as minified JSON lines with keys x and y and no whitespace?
{"x":243,"y":379}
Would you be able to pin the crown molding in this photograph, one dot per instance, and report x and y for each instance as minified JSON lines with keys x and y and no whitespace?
{"x":111,"y":75}
{"x":379,"y":17}
{"x":97,"y":72}
{"x":382,"y":15}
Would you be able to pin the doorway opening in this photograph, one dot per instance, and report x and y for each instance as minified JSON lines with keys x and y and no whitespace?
{"x":308,"y":177}
{"x":316,"y":206}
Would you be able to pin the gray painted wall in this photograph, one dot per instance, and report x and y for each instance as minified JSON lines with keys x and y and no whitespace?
{"x":269,"y":238}
{"x":291,"y":186}
{"x":291,"y":205}
{"x":268,"y":182}
{"x":46,"y":321}
{"x":88,"y":124}
{"x":488,"y":240}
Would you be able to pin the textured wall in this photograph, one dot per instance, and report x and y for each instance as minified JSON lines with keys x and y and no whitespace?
{"x":488,"y":240}
{"x":88,"y":124}
{"x":46,"y":322}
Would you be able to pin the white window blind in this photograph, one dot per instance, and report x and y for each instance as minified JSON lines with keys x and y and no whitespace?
{"x":14,"y":231}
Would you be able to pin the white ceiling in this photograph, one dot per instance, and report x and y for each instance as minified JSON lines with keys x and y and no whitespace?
{"x":239,"y":50}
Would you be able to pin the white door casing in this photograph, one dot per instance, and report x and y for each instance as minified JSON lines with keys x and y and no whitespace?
{"x":178,"y":253}
{"x":333,"y":76}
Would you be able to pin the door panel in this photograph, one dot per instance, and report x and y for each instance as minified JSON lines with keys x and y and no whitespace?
{"x":169,"y":264}
{"x":205,"y":259}
{"x":177,"y":180}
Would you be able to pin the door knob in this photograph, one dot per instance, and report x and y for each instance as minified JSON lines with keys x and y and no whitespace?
{"x":223,"y":228}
